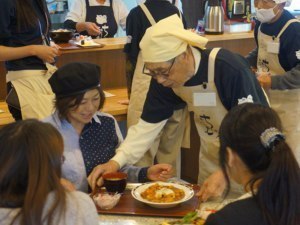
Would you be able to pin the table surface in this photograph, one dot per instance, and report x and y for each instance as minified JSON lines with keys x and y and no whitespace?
{"x":107,"y":44}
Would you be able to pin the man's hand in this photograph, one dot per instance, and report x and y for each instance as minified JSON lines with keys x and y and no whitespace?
{"x":94,"y":178}
{"x":160,"y":172}
{"x":264,"y":79}
{"x":92,"y":29}
{"x":213,"y":186}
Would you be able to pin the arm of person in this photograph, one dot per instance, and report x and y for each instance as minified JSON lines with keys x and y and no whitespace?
{"x":120,"y":13}
{"x":76,"y":17}
{"x":289,"y":80}
{"x":76,"y":14}
{"x":139,"y":138}
{"x":45,"y":53}
{"x":157,"y":172}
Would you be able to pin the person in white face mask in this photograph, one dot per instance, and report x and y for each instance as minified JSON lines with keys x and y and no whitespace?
{"x":277,"y":63}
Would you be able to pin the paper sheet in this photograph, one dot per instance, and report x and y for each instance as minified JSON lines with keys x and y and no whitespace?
{"x":107,"y":94}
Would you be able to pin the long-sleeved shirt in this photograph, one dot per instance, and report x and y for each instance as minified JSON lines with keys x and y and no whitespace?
{"x":95,"y":145}
{"x":233,"y":79}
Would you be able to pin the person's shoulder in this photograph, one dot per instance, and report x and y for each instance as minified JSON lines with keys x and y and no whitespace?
{"x":80,"y":208}
{"x":135,"y":11}
{"x":245,"y":211}
{"x":103,"y":114}
{"x":231,"y":59}
{"x":78,"y":196}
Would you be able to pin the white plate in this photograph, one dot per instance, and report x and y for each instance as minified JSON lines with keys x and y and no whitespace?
{"x":89,"y":44}
{"x":136,"y":193}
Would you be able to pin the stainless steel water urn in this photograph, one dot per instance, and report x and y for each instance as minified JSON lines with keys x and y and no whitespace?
{"x":214,"y":17}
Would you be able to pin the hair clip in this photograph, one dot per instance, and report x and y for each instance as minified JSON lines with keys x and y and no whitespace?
{"x":270,"y":135}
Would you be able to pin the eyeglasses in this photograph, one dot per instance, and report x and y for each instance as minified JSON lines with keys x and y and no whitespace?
{"x":158,"y":73}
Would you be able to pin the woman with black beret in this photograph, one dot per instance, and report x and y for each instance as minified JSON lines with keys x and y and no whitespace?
{"x":90,"y":136}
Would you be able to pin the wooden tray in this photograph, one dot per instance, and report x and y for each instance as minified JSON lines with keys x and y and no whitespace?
{"x":129,"y":206}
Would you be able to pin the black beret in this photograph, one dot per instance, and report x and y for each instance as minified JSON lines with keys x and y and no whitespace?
{"x":75,"y":78}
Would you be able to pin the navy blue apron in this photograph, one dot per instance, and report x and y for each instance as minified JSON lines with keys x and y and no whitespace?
{"x":104,"y":17}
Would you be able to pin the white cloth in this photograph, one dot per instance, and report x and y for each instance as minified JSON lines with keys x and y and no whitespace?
{"x":80,"y":210}
{"x":77,"y":11}
{"x":34,"y":92}
{"x":285,"y":102}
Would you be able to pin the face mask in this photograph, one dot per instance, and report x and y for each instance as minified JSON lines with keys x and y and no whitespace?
{"x":265,"y":15}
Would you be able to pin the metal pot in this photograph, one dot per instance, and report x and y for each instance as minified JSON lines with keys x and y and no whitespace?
{"x":214,"y":17}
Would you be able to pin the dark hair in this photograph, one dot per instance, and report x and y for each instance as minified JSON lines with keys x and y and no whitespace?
{"x":30,"y":159}
{"x":275,"y":169}
{"x":26,"y":17}
{"x":64,"y":105}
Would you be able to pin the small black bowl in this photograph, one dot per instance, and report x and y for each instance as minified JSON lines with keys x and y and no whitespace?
{"x":63,"y":36}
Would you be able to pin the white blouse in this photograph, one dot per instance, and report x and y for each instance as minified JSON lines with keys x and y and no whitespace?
{"x":77,"y":11}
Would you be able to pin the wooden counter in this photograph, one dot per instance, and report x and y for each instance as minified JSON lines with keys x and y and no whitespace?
{"x":111,"y":106}
{"x":241,"y":43}
{"x":110,"y":58}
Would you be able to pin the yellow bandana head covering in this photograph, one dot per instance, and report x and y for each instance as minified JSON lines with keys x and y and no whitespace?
{"x":167,"y":39}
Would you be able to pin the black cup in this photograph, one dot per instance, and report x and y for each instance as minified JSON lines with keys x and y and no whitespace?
{"x":115,"y":182}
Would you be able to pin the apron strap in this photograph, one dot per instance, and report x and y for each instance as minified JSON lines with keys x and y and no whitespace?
{"x":111,"y":4}
{"x":286,"y":26}
{"x":211,"y":64}
{"x":148,"y":14}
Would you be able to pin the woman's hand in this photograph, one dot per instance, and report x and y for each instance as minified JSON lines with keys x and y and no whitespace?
{"x":68,"y":186}
{"x":92,"y":29}
{"x":213,"y":186}
{"x":94,"y":178}
{"x":160,"y":172}
{"x":46,"y":53}
{"x":264,"y":79}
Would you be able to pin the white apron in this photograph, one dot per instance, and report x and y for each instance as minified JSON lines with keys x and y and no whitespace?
{"x":285,"y":102}
{"x":208,"y":118}
{"x":170,"y":139}
{"x":34,"y":92}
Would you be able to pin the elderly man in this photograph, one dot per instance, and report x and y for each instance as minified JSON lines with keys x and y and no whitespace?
{"x":211,"y":82}
{"x":168,"y":144}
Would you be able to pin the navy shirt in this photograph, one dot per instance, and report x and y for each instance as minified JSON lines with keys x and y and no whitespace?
{"x":233,"y":79}
{"x":241,"y":212}
{"x":11,"y":37}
